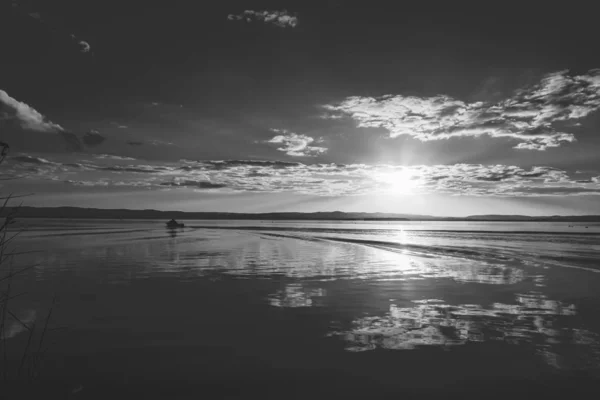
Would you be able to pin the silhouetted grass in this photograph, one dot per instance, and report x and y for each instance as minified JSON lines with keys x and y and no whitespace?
{"x":22,"y":365}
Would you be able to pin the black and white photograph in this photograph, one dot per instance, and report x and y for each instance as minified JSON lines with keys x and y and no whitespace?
{"x":299,"y":199}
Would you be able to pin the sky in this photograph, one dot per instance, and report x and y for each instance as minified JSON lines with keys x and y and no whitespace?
{"x":260,"y":106}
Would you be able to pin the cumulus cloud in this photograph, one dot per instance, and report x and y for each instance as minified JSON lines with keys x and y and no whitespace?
{"x":296,"y":145}
{"x":530,"y":116}
{"x":23,"y":116}
{"x":282,"y":19}
{"x":14,"y":111}
{"x":317,"y":179}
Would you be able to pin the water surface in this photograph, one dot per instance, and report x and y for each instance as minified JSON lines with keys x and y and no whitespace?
{"x":290,"y":309}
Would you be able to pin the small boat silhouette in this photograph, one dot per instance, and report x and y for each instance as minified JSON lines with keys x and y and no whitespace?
{"x":174,"y":224}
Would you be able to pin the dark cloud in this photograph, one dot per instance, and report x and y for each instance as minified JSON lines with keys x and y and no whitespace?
{"x":132,"y":143}
{"x":225,"y":164}
{"x":196,"y":184}
{"x":146,"y":169}
{"x":93,"y":138}
{"x":72,"y":141}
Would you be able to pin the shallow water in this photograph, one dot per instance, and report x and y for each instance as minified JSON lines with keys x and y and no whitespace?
{"x":295,"y":309}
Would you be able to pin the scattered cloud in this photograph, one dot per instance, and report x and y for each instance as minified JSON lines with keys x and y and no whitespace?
{"x":282,"y":19}
{"x":84,"y":47}
{"x":87,"y":183}
{"x":93,"y":138}
{"x":113,"y":157}
{"x":529,"y":116}
{"x":317,"y":179}
{"x":159,"y":143}
{"x":31,"y":160}
{"x":14,"y":111}
{"x":296,"y":145}
{"x":194,"y":184}
{"x":152,"y":142}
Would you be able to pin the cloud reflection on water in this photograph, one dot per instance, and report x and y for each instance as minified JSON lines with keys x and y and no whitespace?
{"x":534,"y":320}
{"x":295,"y":295}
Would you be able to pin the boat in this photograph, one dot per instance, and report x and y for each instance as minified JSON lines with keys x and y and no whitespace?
{"x":174,"y":224}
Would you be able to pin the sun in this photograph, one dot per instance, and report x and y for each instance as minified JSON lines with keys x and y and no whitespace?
{"x":398,"y":182}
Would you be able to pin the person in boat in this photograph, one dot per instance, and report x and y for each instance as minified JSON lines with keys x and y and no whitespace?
{"x":174,"y":224}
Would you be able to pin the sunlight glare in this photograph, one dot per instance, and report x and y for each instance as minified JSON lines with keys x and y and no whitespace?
{"x":399,"y":182}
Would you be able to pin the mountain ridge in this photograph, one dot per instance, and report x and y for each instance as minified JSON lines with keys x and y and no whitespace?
{"x":99,"y":213}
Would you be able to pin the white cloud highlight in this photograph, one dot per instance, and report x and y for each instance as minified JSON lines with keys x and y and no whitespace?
{"x":27,"y":117}
{"x":529,"y":116}
{"x":296,"y":145}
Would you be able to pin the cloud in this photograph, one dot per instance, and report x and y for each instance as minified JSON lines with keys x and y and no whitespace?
{"x":113,"y":157}
{"x":31,"y":160}
{"x":282,"y":19}
{"x":319,"y":179}
{"x":84,"y":47}
{"x":142,"y":169}
{"x":226,"y":164}
{"x":150,"y":142}
{"x":93,"y":138}
{"x":196,"y":184}
{"x":72,"y":141}
{"x":296,"y":145}
{"x":87,"y":183}
{"x":14,"y":111}
{"x":159,"y":143}
{"x":529,"y":116}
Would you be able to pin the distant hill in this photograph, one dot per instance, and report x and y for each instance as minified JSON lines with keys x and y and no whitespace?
{"x":558,"y":218}
{"x":78,"y":212}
